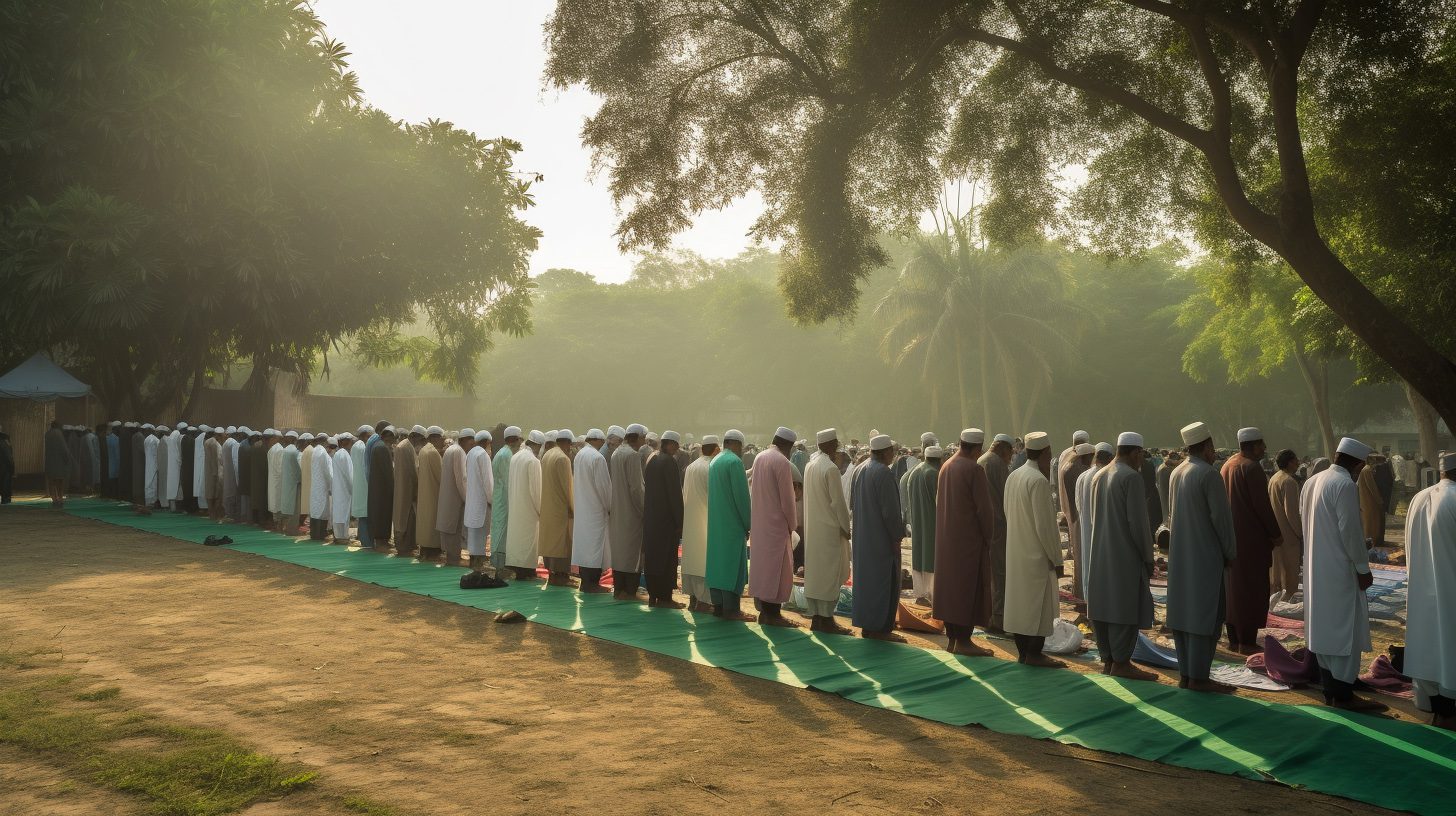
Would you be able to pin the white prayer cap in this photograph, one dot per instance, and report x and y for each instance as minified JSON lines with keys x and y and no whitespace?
{"x":536,"y":438}
{"x":1079,"y":437}
{"x":271,"y":432}
{"x":881,"y":442}
{"x":388,"y":429}
{"x":511,"y":430}
{"x":551,"y":434}
{"x":786,"y":434}
{"x":565,"y":434}
{"x":671,"y":436}
{"x":734,"y":435}
{"x":365,"y":429}
{"x":146,"y":427}
{"x":418,"y":429}
{"x":1002,"y":438}
{"x":204,"y":428}
{"x":1195,"y":433}
{"x":1105,"y":447}
{"x":710,"y":439}
{"x":253,"y":433}
{"x":128,"y":424}
{"x":651,"y":436}
{"x":162,"y":428}
{"x":333,"y":441}
{"x":973,"y":436}
{"x":927,"y":439}
{"x":482,"y":436}
{"x":306,"y":437}
{"x":1351,"y":446}
{"x":434,"y":430}
{"x":1448,"y":462}
{"x":636,"y":428}
{"x":345,"y":436}
{"x":114,"y":423}
{"x":464,"y":432}
{"x":1085,"y":449}
{"x":1130,"y":438}
{"x":594,"y":433}
{"x":231,"y":429}
{"x":934,"y":452}
{"x":617,"y":431}
{"x":1037,"y":440}
{"x":826,"y":435}
{"x":290,"y":434}
{"x":181,"y":426}
{"x":1250,"y":435}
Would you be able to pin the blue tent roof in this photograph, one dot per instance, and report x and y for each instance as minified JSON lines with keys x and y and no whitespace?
{"x":41,"y":380}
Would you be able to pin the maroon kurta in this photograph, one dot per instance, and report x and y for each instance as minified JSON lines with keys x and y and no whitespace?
{"x":965,"y":521}
{"x":1255,"y":531}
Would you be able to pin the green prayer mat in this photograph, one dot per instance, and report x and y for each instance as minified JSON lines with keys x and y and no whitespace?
{"x":1394,"y":764}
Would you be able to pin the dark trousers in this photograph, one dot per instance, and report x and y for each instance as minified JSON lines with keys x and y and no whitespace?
{"x":1029,"y":645}
{"x":660,"y":587}
{"x":769,"y":609}
{"x":1336,"y":691}
{"x":626,"y":582}
{"x":317,"y":528}
{"x":725,"y":602}
{"x":590,"y":576}
{"x":1443,"y":706}
{"x":1195,"y":654}
{"x":957,"y":631}
{"x":1115,"y":640}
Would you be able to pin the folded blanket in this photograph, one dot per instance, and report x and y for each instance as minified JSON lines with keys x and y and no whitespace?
{"x":1293,"y":669}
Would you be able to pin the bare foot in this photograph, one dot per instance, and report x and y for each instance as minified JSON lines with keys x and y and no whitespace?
{"x":968,"y":648}
{"x":666,"y":604}
{"x":594,"y":589}
{"x":699,"y":606}
{"x":829,"y":626}
{"x":1128,"y":671}
{"x":1208,"y":686}
{"x":1041,"y":661}
{"x":777,"y":620}
{"x":739,"y":617}
{"x":888,"y":636}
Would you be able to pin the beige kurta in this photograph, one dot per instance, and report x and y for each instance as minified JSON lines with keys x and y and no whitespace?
{"x":1033,"y":553}
{"x":450,"y":508}
{"x":553,"y":536}
{"x":826,"y":530}
{"x":404,"y":487}
{"x":524,"y":499}
{"x":695,"y":518}
{"x":1372,"y":507}
{"x":427,"y":496}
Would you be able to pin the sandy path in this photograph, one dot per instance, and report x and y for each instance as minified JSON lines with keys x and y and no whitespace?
{"x":434,"y":708}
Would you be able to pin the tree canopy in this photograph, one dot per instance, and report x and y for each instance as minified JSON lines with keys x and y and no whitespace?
{"x":195,"y":182}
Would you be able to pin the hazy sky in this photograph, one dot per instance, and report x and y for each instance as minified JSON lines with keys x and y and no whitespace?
{"x":478,"y":63}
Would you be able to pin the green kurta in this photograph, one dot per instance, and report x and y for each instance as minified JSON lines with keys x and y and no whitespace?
{"x":920,"y":500}
{"x":500,"y":471}
{"x":729,"y":517}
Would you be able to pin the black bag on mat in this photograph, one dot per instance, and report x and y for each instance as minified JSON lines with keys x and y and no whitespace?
{"x":479,"y":580}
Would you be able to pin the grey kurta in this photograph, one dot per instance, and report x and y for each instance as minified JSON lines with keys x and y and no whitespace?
{"x":58,"y":454}
{"x":1122,"y":549}
{"x":405,"y":485}
{"x":624,"y":526}
{"x":290,"y":482}
{"x":876,"y":535}
{"x":996,"y":474}
{"x":451,"y":508}
{"x":1202,"y":542}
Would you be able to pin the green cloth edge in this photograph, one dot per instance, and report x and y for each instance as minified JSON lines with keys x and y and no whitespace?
{"x":1390,"y":763}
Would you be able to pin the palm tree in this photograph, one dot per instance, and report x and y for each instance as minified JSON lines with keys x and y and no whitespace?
{"x":993,"y":316}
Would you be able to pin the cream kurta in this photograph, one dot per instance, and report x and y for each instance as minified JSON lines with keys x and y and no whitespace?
{"x":826,"y":529}
{"x":553,"y":536}
{"x":427,"y":502}
{"x":451,"y":506}
{"x":404,"y":486}
{"x":524,"y":498}
{"x":1336,"y":612}
{"x":275,"y":476}
{"x":341,"y":494}
{"x":322,"y":465}
{"x":592,"y":496}
{"x":1033,"y":553}
{"x":1430,"y":638}
{"x":695,"y":518}
{"x":173,"y":491}
{"x":305,"y":470}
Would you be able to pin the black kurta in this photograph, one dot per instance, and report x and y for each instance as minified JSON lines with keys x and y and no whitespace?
{"x":123,"y":473}
{"x":245,"y":470}
{"x":189,"y":449}
{"x":258,"y":479}
{"x":381,"y":491}
{"x":662,"y":523}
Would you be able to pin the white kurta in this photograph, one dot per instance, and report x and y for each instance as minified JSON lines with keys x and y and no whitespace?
{"x":229,"y":458}
{"x":524,"y":516}
{"x":1430,"y":548}
{"x":1033,"y":552}
{"x":149,"y":467}
{"x":1336,"y":612}
{"x":199,"y":471}
{"x":275,"y":477}
{"x":322,"y":466}
{"x":359,"y":457}
{"x":695,"y":518}
{"x":591,"y":489}
{"x":173,"y":490}
{"x":826,"y":529}
{"x":342,"y":490}
{"x":478,"y":488}
{"x":1083,"y":489}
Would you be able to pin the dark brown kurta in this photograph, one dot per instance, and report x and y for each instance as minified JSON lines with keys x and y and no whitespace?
{"x":258,"y":481}
{"x":381,"y":492}
{"x":1255,"y":531}
{"x":662,"y":516}
{"x":965,"y":521}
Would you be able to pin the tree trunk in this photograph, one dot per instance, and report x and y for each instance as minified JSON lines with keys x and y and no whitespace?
{"x":1316,"y":373}
{"x":1425,"y":417}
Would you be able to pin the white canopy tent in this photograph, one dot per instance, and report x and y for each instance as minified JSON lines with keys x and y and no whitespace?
{"x":28,"y":395}
{"x":41,"y":380}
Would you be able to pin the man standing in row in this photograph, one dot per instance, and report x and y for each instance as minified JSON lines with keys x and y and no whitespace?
{"x":878,"y":530}
{"x":289,"y":485}
{"x":428,"y":473}
{"x":997,"y":464}
{"x":359,"y":455}
{"x":406,"y":483}
{"x":1257,"y":533}
{"x":1119,"y":601}
{"x":662,"y":522}
{"x":500,"y":473}
{"x":1201,"y":546}
{"x":730,"y":517}
{"x":322,"y":464}
{"x":625,"y":530}
{"x":557,"y":510}
{"x":477,"y":494}
{"x":1033,"y":554}
{"x":451,"y":507}
{"x":381,"y":488}
{"x":1071,"y":465}
{"x":1430,"y":546}
{"x":1103,"y":454}
{"x":921,"y":483}
{"x":774,"y":519}
{"x":965,"y":519}
{"x":592,"y":500}
{"x":524,"y":495}
{"x":1284,"y":499}
{"x":826,"y":534}
{"x":341,"y":496}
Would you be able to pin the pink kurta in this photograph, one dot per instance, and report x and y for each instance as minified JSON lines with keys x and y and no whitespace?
{"x":770,"y":542}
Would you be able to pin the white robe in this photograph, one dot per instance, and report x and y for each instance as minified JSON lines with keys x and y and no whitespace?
{"x":1033,"y":552}
{"x":826,"y":529}
{"x":695,"y":517}
{"x":1083,"y":490}
{"x":229,"y":459}
{"x":359,"y":459}
{"x":591,"y":490}
{"x":275,"y":476}
{"x":173,"y":491}
{"x":524,"y":516}
{"x":149,"y":467}
{"x":323,"y":471}
{"x":1336,"y":612}
{"x":199,"y":471}
{"x":1430,"y":548}
{"x":342,"y":490}
{"x":478,"y":487}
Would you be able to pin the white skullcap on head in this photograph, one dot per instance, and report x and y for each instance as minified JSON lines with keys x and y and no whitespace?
{"x":232,"y":429}
{"x":1002,"y":438}
{"x":1105,"y":447}
{"x":593,"y":433}
{"x":786,"y":434}
{"x":511,"y":430}
{"x":826,"y":435}
{"x":271,"y":432}
{"x":181,"y":426}
{"x":671,"y":436}
{"x":345,"y":436}
{"x":710,"y":439}
{"x":1037,"y":440}
{"x":464,"y":432}
{"x":159,"y":427}
{"x":734,"y":435}
{"x":1194,"y":433}
{"x":333,"y":441}
{"x":482,"y":436}
{"x":617,"y":431}
{"x":365,"y":429}
{"x":145,"y":426}
{"x":881,"y":442}
{"x":973,"y":436}
{"x":128,"y":424}
{"x":388,"y":429}
{"x":565,"y":433}
{"x":290,"y":434}
{"x":934,"y":452}
{"x":536,"y":438}
{"x":244,"y":429}
{"x":1250,"y":435}
{"x":204,"y":428}
{"x":1079,"y":437}
{"x":927,"y":439}
{"x":1448,"y":462}
{"x":551,"y":434}
{"x":1085,"y":449}
{"x":434,"y":430}
{"x":418,"y":429}
{"x":113,"y":423}
{"x":636,"y":428}
{"x":1130,"y":438}
{"x":252,"y":432}
{"x":307,"y":437}
{"x":1351,"y":446}
{"x":652,"y":436}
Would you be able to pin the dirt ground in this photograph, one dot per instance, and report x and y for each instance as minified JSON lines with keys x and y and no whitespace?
{"x":435,"y":709}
